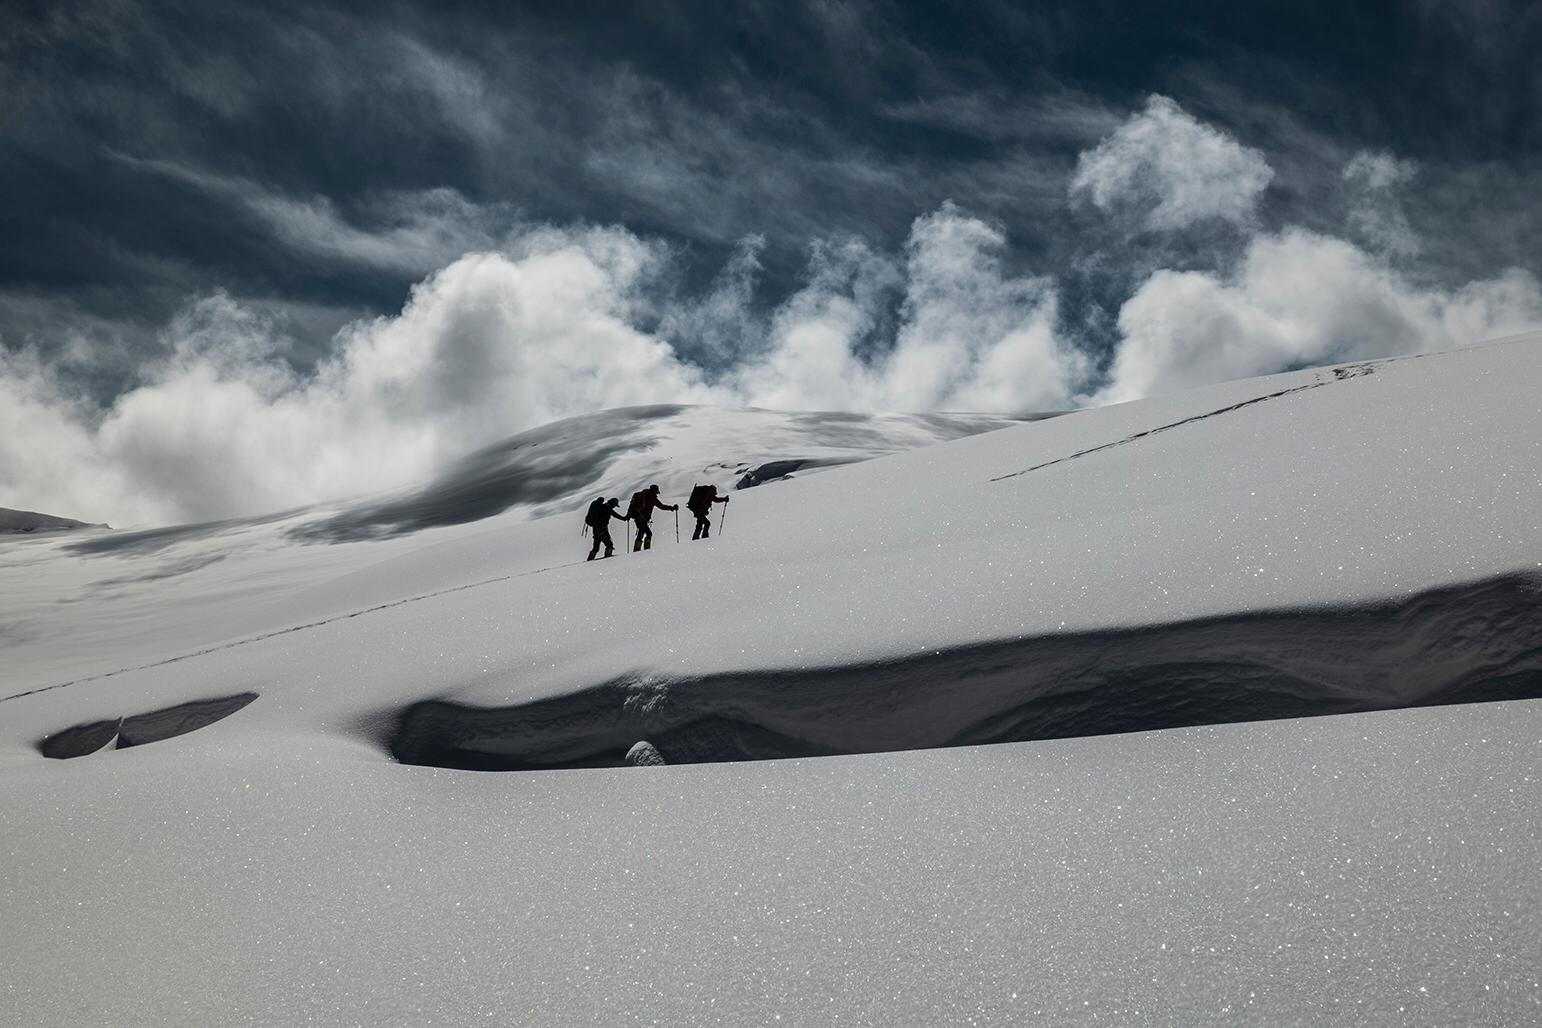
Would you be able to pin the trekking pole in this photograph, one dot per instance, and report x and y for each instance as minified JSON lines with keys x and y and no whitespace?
{"x":629,"y":537}
{"x":722,"y":518}
{"x":677,"y":524}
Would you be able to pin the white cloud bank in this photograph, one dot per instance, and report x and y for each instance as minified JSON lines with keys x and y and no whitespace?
{"x":499,"y":342}
{"x":1299,"y":299}
{"x":548,"y":325}
{"x":1170,"y":171}
{"x":971,"y":336}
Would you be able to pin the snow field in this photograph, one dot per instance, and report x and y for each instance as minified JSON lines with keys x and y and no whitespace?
{"x":1335,"y":538}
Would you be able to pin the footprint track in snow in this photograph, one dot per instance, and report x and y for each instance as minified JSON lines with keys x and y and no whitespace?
{"x":1340,"y":374}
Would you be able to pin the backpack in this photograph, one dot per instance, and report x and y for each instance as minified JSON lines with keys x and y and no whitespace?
{"x":701,"y":499}
{"x":639,"y":503}
{"x":598,"y":515}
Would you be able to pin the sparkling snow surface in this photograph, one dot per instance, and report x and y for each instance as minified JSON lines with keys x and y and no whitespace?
{"x":277,"y":867}
{"x":1366,"y":869}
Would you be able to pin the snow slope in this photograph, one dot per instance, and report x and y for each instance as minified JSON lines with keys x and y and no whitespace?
{"x":1322,"y":541}
{"x":86,"y":605}
{"x":561,"y":466}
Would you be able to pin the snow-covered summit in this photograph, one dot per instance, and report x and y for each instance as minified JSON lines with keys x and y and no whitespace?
{"x":31,"y":521}
{"x":561,"y":466}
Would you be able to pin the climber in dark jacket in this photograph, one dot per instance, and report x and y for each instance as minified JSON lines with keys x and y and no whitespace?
{"x":644,"y":503}
{"x":598,"y":520}
{"x":700,"y":504}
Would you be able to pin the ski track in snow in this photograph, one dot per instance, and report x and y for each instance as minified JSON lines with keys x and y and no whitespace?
{"x":285,"y":631}
{"x":1339,"y":375}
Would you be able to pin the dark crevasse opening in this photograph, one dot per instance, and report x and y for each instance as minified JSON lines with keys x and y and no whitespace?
{"x":1476,"y":642}
{"x":139,"y":729}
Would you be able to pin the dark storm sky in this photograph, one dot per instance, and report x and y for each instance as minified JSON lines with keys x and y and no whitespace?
{"x":140,"y":140}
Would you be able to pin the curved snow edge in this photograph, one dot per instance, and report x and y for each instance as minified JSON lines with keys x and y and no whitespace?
{"x":1468,"y":643}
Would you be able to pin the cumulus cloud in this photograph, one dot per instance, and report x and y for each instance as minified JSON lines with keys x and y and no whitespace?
{"x":817,"y":335}
{"x":1299,"y":298}
{"x":971,"y":336}
{"x":491,"y":344}
{"x":50,"y":458}
{"x":498,"y":342}
{"x":1167,"y":171}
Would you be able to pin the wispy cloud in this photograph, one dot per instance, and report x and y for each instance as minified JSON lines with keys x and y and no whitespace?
{"x":411,"y":232}
{"x":1376,"y":211}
